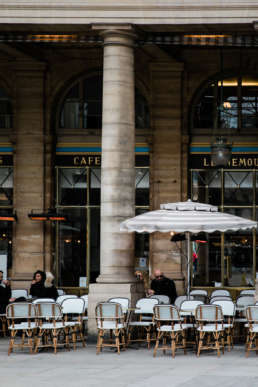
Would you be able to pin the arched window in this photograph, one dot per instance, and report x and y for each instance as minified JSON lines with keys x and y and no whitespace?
{"x":82,"y":106}
{"x":230,"y":102}
{"x":5,"y":110}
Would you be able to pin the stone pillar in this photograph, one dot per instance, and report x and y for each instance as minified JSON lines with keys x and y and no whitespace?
{"x":166,"y":161}
{"x":28,"y":240}
{"x":117,"y":170}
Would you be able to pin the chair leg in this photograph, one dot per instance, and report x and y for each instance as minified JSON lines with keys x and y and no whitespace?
{"x":67,"y":343}
{"x":74,"y":337}
{"x":157,"y":344}
{"x":164,"y":342}
{"x":99,"y":341}
{"x":217,"y":346}
{"x":117,"y":341}
{"x":173,"y":344}
{"x":184,"y":341}
{"x":200,"y":343}
{"x":11,"y":345}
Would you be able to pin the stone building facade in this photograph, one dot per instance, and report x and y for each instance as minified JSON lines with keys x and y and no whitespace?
{"x":132,"y":91}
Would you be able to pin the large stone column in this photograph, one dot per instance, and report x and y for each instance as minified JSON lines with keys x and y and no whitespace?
{"x":29,"y":191}
{"x":117,"y":170}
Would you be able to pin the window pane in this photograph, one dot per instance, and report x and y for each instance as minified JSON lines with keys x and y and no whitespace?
{"x":142,"y":114}
{"x":70,"y":111}
{"x":95,"y":185}
{"x":5,"y":110}
{"x":142,"y":241}
{"x":72,"y":186}
{"x":238,"y":259}
{"x":203,"y":111}
{"x":72,"y":249}
{"x":94,"y":244}
{"x":206,"y":186}
{"x":207,"y":261}
{"x":6,"y":240}
{"x":92,"y":103}
{"x":249,"y":103}
{"x":6,"y":186}
{"x":228,"y":103}
{"x":238,"y":188}
{"x":142,"y":186}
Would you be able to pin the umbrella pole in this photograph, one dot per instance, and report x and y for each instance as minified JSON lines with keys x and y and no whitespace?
{"x":188,"y":239}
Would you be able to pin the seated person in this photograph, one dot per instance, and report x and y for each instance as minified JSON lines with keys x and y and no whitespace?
{"x":5,"y":293}
{"x":50,"y":289}
{"x":42,"y":286}
{"x":37,"y":289}
{"x":162,"y":285}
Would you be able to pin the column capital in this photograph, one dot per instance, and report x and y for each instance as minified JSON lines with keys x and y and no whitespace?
{"x":116,"y":34}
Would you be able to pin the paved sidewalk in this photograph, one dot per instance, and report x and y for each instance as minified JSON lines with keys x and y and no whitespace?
{"x":134,"y":367}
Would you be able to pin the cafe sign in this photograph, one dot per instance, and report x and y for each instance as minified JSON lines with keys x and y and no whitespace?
{"x":237,"y":161}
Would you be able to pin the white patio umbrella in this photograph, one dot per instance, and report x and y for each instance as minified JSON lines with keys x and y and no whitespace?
{"x":189,"y":217}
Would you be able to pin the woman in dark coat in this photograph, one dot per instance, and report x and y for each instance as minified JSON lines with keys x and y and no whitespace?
{"x":37,"y":288}
{"x":50,"y":289}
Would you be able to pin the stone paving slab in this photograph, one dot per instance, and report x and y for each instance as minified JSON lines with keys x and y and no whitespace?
{"x":133,"y":367}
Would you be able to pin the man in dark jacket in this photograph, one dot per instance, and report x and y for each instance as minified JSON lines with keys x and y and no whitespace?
{"x":5,"y":293}
{"x":163,"y":286}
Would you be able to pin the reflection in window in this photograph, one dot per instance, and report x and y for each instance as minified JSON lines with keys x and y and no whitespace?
{"x":142,"y":186}
{"x":5,"y":110}
{"x":219,"y":104}
{"x":72,"y":186}
{"x":72,"y":246}
{"x":82,"y":106}
{"x":207,"y":261}
{"x":95,"y":185}
{"x":6,"y":186}
{"x":238,"y":188}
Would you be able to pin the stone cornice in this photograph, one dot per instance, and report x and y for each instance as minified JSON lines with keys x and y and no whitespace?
{"x":133,"y":11}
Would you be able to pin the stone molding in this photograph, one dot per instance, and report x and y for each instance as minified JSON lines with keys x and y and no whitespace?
{"x":148,"y":12}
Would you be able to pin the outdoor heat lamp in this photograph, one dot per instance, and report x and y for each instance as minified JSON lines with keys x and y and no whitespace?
{"x":51,"y":215}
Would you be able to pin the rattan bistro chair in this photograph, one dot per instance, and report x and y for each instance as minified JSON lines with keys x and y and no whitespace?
{"x":252,"y":339}
{"x":209,"y":319}
{"x":144,"y":321}
{"x":16,"y":313}
{"x":169,"y":325}
{"x":162,"y":299}
{"x":50,"y":326}
{"x":229,"y":311}
{"x":73,"y":309}
{"x":110,"y":319}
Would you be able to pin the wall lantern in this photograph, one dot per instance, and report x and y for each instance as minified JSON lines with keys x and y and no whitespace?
{"x":51,"y":215}
{"x":8,"y":217}
{"x":221,"y":146}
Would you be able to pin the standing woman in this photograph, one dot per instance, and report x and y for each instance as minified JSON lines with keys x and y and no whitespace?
{"x":37,"y":288}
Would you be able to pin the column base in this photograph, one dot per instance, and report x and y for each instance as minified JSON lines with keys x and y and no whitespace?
{"x":121,"y":278}
{"x":102,"y":292}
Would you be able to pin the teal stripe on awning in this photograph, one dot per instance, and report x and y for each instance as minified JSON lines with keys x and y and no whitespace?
{"x":6,"y":149}
{"x":235,"y":149}
{"x":73,"y":149}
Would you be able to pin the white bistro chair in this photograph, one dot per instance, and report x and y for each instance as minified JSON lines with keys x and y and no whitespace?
{"x":110,"y":319}
{"x":50,"y":325}
{"x":252,"y":338}
{"x":60,"y":299}
{"x":209,"y":320}
{"x":16,"y":313}
{"x":17,"y":293}
{"x":169,"y":326}
{"x":229,"y":311}
{"x":73,"y":309}
{"x":144,"y":321}
{"x":162,"y":299}
{"x":220,"y":292}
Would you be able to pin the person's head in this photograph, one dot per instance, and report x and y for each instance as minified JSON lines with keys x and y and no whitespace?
{"x":49,"y":279}
{"x":1,"y":275}
{"x":39,"y":276}
{"x":158,"y":274}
